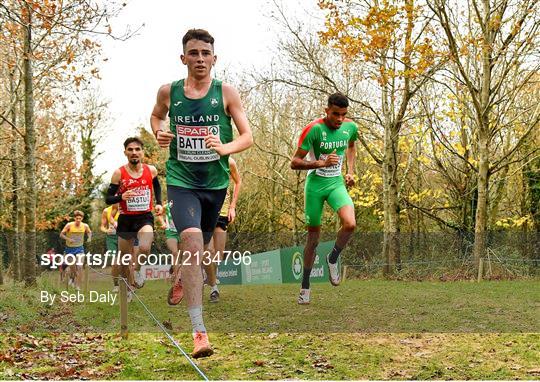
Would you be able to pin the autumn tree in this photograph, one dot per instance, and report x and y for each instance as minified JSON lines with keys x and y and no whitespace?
{"x":391,"y":41}
{"x":491,"y":44}
{"x":272,"y":197}
{"x":49,"y":38}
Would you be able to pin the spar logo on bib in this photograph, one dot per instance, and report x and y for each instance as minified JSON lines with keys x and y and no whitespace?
{"x":191,"y":146}
{"x":214,"y":130}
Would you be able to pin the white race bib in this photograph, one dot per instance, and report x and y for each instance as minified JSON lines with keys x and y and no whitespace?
{"x":331,"y":171}
{"x":190,"y":143}
{"x":139,"y":202}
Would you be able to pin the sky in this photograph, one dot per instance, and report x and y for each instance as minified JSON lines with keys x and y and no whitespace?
{"x":136,"y":68}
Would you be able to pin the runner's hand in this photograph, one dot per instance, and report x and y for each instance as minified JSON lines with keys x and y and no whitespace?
{"x":128,"y":194}
{"x":161,"y":222}
{"x":232,"y":214}
{"x":331,"y":160}
{"x":164,"y":138}
{"x":213,"y":142}
{"x":349,"y":180}
{"x":159,"y":209}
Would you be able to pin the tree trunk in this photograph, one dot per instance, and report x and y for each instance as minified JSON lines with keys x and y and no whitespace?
{"x":483,"y":141}
{"x":30,"y":160}
{"x":1,"y":268}
{"x":1,"y":231}
{"x":391,"y":250}
{"x":15,"y":253}
{"x":498,"y":196}
{"x":296,"y":208}
{"x":481,"y":209}
{"x":531,"y":205}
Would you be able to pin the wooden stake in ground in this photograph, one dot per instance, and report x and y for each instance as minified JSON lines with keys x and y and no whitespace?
{"x":480,"y":269}
{"x":1,"y":266}
{"x":86,"y":277}
{"x":123,"y":310}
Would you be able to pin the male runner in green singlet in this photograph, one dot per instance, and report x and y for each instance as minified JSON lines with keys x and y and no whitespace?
{"x":328,"y":141}
{"x":200,"y":139}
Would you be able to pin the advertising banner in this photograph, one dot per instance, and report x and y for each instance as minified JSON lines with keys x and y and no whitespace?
{"x":292,"y":263}
{"x":156,"y":272}
{"x":229,"y":273}
{"x":265,"y":268}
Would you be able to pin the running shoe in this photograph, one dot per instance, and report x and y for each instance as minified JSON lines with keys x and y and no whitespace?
{"x":116,"y":289}
{"x":303,"y":297}
{"x":201,"y":345}
{"x":139,"y":279}
{"x":333,"y":272}
{"x":176,"y":293}
{"x":214,"y":296}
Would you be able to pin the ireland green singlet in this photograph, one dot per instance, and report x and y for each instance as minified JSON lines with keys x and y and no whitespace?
{"x":191,"y":164}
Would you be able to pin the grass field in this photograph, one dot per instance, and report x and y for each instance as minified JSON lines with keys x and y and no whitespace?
{"x":361,"y":330}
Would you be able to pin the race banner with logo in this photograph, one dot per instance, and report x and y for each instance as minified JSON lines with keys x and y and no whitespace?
{"x":284,"y":265}
{"x":292,"y":263}
{"x":229,"y":273}
{"x":156,"y":272}
{"x":265,"y":268}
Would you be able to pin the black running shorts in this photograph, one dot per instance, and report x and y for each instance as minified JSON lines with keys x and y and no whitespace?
{"x":196,"y":209}
{"x":222,"y":222}
{"x":129,"y":225}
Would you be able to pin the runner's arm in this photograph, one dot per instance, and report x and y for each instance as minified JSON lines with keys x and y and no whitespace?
{"x":104,"y":226}
{"x":351,"y":156}
{"x":88,"y":232}
{"x":112,"y":197}
{"x":161,"y":221}
{"x":299,"y":163}
{"x":157,"y":189}
{"x":237,"y":180}
{"x":64,"y":232}
{"x":114,"y":211}
{"x":159,"y":117}
{"x":233,"y":105}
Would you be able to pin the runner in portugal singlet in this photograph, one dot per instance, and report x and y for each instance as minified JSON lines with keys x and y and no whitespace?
{"x":325,"y":183}
{"x":327,"y":143}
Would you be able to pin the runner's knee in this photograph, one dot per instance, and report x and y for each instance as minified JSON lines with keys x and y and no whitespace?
{"x":348,"y":225}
